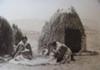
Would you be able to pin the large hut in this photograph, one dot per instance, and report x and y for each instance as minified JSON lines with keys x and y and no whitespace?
{"x":65,"y":27}
{"x":6,"y":38}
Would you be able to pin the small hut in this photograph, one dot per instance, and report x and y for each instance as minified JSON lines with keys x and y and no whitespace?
{"x":17,"y":34}
{"x":65,"y":27}
{"x":6,"y":38}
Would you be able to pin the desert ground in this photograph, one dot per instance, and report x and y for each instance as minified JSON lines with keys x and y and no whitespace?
{"x":86,"y":62}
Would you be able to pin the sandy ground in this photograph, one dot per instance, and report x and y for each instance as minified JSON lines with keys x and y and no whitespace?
{"x":82,"y":62}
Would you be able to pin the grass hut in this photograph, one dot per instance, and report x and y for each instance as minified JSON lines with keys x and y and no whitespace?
{"x":17,"y":34}
{"x":65,"y":27}
{"x":6,"y":38}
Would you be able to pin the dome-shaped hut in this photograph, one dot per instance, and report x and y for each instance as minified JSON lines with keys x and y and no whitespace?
{"x":6,"y":38}
{"x":17,"y":34}
{"x":65,"y":27}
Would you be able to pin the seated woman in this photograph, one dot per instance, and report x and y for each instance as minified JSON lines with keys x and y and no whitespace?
{"x":60,"y":52}
{"x":23,"y":49}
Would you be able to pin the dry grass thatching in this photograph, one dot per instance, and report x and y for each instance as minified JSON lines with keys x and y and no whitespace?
{"x":55,"y":29}
{"x":6,"y":37}
{"x":17,"y":34}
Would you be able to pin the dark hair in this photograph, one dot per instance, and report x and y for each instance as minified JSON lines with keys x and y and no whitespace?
{"x":24,"y":37}
{"x":53,"y":43}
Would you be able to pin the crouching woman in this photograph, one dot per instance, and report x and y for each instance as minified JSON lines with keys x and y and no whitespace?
{"x":60,"y":52}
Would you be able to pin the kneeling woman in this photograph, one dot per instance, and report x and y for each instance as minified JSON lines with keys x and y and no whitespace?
{"x":60,"y":52}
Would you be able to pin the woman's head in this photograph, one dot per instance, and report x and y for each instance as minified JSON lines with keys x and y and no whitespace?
{"x":24,"y":39}
{"x":53,"y":45}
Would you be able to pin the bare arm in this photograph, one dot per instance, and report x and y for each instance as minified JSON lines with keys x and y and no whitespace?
{"x":30,"y":49}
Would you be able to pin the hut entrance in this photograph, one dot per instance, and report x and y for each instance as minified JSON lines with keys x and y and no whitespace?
{"x":73,"y":39}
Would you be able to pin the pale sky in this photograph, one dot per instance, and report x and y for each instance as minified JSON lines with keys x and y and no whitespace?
{"x":43,"y":10}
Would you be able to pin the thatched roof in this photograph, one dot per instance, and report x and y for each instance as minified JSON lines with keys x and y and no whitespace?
{"x":6,"y":37}
{"x":17,"y":34}
{"x":54,"y":30}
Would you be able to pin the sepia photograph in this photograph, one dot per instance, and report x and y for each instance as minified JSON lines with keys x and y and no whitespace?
{"x":49,"y":34}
